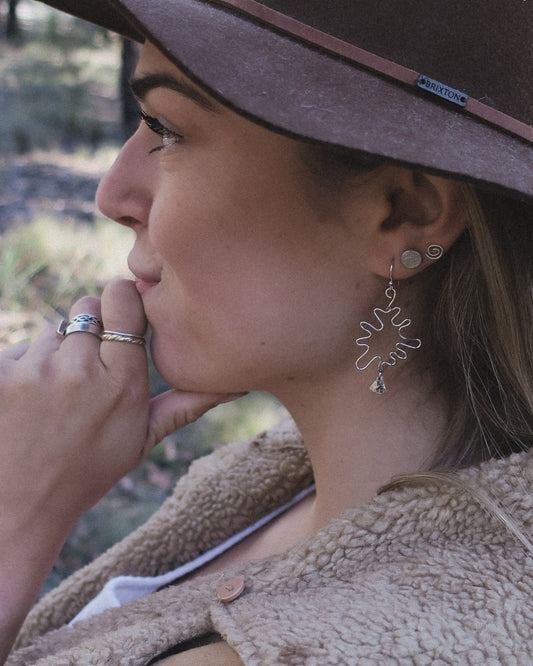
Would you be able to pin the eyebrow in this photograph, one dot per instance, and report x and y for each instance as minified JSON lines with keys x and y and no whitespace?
{"x":142,"y":85}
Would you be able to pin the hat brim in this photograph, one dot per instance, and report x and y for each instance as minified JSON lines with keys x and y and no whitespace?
{"x":302,"y":91}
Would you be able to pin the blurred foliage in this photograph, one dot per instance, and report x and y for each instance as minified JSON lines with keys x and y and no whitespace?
{"x":58,"y":83}
{"x":59,"y":130}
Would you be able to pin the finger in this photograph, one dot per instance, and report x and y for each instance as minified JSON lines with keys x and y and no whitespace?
{"x":122,"y":312}
{"x":14,"y":353}
{"x":175,"y":409}
{"x":46,"y":343}
{"x":83,"y":345}
{"x":43,"y":346}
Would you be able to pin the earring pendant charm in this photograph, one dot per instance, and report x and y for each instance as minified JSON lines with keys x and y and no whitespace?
{"x":378,"y":386}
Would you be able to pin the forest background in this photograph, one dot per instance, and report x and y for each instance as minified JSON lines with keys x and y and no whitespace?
{"x":63,"y":117}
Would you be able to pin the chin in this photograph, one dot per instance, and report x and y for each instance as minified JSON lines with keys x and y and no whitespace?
{"x":193,"y":371}
{"x":165,"y":368}
{"x":171,"y":371}
{"x":161,"y":363}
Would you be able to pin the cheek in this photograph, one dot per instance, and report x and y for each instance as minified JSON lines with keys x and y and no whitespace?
{"x":247,"y":270}
{"x":226,"y":254}
{"x":211,"y":235}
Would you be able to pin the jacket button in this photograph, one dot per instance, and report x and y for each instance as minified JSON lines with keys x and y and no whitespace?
{"x":230,"y":589}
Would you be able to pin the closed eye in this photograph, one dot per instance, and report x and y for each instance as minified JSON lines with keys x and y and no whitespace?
{"x":169,"y":137}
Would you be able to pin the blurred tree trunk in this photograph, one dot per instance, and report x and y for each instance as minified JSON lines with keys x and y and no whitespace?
{"x":130,"y":107}
{"x":12,"y":25}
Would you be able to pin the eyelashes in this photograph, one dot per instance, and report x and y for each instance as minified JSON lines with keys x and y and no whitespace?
{"x":168,"y":136}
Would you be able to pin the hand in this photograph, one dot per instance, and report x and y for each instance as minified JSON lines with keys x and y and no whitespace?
{"x":75,"y":414}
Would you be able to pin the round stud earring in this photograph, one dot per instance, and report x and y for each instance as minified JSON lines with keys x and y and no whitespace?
{"x":411,"y":259}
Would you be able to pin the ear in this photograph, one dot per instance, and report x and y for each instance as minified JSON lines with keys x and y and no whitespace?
{"x":421,"y":211}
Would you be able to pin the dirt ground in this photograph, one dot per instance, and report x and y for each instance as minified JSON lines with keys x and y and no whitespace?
{"x":48,"y":184}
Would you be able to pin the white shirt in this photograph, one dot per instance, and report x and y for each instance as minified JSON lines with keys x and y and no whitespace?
{"x":119,"y":590}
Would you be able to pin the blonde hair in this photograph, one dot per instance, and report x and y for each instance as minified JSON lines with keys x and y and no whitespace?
{"x":482,"y":337}
{"x":481,"y":331}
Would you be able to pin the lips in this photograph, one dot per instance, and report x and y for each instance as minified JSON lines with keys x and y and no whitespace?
{"x":144,"y":279}
{"x":143,"y":286}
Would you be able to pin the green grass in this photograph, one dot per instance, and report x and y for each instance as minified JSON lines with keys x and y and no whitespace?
{"x":48,"y":263}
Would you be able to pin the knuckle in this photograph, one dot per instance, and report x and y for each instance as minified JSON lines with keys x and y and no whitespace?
{"x":75,"y":379}
{"x":191,"y":415}
{"x":136,"y":393}
{"x":24,"y":385}
{"x":89,"y":304}
{"x":131,"y":393}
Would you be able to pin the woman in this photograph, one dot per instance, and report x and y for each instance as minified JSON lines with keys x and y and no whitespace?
{"x":312,"y":218}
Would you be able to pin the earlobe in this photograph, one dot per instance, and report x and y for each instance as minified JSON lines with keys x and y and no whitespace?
{"x":424,"y":220}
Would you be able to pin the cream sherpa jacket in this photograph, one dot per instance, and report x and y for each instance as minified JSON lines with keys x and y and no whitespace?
{"x":416,"y":576}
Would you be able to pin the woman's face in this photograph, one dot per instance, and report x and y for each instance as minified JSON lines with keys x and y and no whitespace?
{"x":248,"y":270}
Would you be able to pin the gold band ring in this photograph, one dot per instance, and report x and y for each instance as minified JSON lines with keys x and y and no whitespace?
{"x":118,"y":336}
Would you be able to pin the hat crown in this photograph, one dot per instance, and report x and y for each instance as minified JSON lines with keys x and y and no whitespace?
{"x":442,"y":85}
{"x":482,"y":47}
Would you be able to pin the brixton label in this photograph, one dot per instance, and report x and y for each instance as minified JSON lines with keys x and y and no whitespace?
{"x":442,"y":90}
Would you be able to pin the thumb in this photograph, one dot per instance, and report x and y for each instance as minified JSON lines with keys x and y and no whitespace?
{"x":175,"y":409}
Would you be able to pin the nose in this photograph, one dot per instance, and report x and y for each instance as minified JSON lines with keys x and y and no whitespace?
{"x":125,"y":192}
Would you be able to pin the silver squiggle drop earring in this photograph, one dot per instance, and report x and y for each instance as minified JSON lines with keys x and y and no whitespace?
{"x":399,"y":353}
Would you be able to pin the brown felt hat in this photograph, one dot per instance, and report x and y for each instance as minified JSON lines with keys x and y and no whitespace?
{"x":444,"y":85}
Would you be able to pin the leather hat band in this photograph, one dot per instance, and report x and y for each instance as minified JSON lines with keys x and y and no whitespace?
{"x":377,"y":64}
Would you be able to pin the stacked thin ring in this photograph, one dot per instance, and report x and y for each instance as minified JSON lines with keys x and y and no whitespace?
{"x":118,"y":336}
